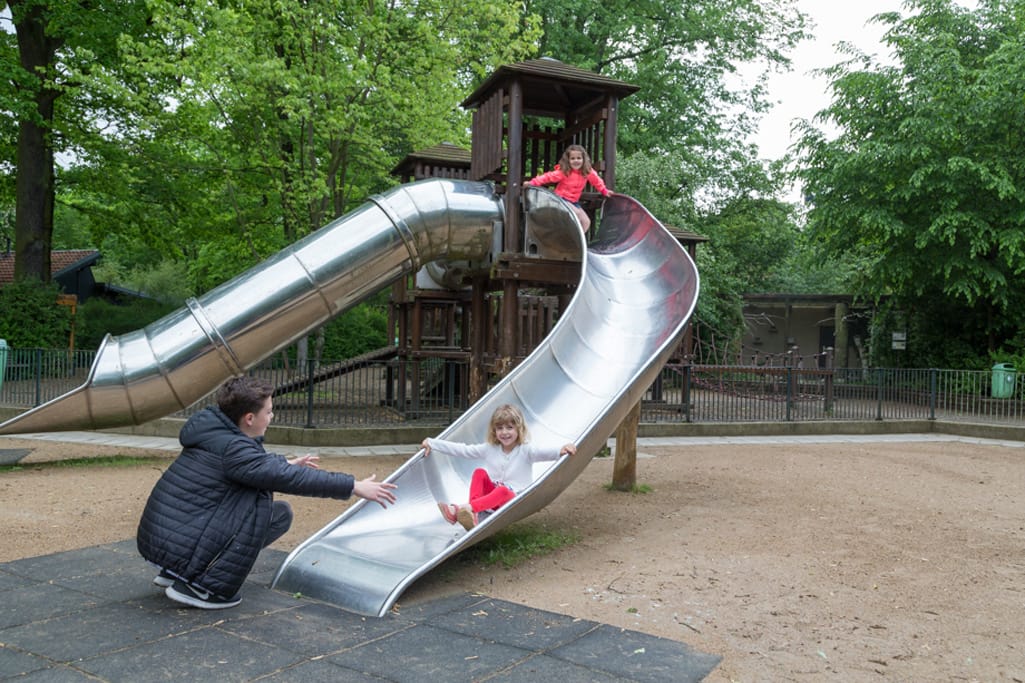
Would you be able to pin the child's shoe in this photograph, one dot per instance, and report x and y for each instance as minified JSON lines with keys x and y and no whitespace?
{"x":448,"y":511}
{"x":467,"y":517}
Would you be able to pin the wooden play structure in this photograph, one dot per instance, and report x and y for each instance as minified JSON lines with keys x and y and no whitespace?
{"x":524,"y":115}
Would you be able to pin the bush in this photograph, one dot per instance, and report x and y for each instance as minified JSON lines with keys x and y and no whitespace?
{"x":30,"y":316}
{"x":356,"y":331}
{"x":98,"y":317}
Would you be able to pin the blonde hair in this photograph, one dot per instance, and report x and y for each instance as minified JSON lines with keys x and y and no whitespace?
{"x":508,"y":415}
{"x":564,"y":160}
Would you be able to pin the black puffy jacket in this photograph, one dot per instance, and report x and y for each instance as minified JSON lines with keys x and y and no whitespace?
{"x":207,"y":517}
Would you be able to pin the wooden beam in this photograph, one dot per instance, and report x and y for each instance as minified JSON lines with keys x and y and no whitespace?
{"x":541,"y":271}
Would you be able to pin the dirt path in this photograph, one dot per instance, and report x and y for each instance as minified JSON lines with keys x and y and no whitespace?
{"x":884,"y":561}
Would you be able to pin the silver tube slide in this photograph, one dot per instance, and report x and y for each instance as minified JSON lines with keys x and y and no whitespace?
{"x":638,"y":288}
{"x":184,"y":356}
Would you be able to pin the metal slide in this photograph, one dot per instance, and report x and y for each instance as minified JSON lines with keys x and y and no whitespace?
{"x":174,"y":362}
{"x":638,"y":288}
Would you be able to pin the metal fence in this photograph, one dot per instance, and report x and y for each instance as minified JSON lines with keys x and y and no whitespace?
{"x":720,"y":393}
{"x":432,"y":391}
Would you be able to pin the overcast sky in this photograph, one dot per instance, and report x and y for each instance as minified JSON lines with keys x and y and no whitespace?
{"x":798,"y":93}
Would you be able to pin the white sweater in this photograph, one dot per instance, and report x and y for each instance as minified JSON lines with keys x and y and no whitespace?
{"x":513,"y":470}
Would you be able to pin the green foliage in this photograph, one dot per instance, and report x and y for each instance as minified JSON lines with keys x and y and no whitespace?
{"x":924,"y":186}
{"x":43,"y":97}
{"x":939,"y":335}
{"x":517,"y":544}
{"x":167,"y":282}
{"x":241,"y":128}
{"x":98,"y":318}
{"x":692,"y":115}
{"x":358,"y":330}
{"x":30,"y":316}
{"x":754,"y":238}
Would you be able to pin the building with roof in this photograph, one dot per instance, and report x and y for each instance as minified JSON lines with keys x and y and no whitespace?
{"x":71,"y":269}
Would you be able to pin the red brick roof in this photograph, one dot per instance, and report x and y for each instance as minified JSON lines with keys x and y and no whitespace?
{"x":60,"y":260}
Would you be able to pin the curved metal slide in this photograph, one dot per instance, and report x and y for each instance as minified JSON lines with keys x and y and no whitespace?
{"x":638,"y":288}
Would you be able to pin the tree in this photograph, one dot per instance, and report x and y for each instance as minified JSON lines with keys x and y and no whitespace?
{"x":248,"y":125}
{"x":682,"y":138}
{"x":691,"y":118}
{"x":54,"y":40}
{"x":924,"y":184}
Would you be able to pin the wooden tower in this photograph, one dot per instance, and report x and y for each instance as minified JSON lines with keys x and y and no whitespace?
{"x":524,"y":116}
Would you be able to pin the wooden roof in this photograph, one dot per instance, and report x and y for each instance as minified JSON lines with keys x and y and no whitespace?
{"x":445,"y":154}
{"x":682,"y":235}
{"x":550,"y":86}
{"x":60,"y":261}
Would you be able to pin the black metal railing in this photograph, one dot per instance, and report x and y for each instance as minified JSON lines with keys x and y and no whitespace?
{"x":433,"y":391}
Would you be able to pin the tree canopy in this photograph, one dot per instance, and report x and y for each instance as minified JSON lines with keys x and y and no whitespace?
{"x":209,"y":135}
{"x":924,"y":184}
{"x":691,"y":120}
{"x":245,"y":126}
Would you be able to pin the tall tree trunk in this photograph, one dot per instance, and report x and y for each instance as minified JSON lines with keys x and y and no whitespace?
{"x":34,"y":187}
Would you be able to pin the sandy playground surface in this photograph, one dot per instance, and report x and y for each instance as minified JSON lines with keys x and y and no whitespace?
{"x":841,"y":562}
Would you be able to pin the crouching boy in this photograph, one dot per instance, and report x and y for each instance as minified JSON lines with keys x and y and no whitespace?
{"x":213,"y":510}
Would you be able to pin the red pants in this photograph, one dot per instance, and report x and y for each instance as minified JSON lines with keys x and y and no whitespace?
{"x":485,"y":494}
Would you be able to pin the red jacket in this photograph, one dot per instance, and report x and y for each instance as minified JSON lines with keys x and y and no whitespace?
{"x":569,"y":187}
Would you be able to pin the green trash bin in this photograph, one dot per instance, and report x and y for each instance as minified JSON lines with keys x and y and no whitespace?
{"x":1003,"y":380}
{"x":3,"y":361}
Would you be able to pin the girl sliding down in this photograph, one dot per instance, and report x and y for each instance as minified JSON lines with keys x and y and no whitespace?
{"x":508,"y":460}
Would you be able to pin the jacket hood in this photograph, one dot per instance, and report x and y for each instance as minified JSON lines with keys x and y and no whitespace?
{"x":211,"y":429}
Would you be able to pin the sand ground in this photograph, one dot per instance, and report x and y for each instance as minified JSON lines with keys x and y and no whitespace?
{"x":849,"y":562}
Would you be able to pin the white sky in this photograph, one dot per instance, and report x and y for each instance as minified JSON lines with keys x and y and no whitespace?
{"x":800,"y":95}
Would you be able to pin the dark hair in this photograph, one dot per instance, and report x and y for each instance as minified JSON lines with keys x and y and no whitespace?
{"x":242,"y":395}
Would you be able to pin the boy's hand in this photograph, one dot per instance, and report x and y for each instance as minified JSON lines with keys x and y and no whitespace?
{"x":378,"y":492}
{"x":426,"y":445}
{"x":568,"y":449}
{"x":305,"y":461}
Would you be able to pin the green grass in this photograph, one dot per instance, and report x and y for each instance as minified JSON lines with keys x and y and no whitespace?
{"x":517,"y":544}
{"x":636,"y":488}
{"x":100,"y":461}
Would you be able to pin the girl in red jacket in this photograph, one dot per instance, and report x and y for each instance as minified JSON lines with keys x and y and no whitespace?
{"x":570,"y":177}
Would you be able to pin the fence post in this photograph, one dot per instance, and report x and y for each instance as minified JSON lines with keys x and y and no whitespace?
{"x":39,"y":376}
{"x":687,"y":407}
{"x":309,"y":393}
{"x":933,"y":382}
{"x":879,"y":394}
{"x":789,"y":391}
{"x":827,"y":390}
{"x":450,"y":393}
